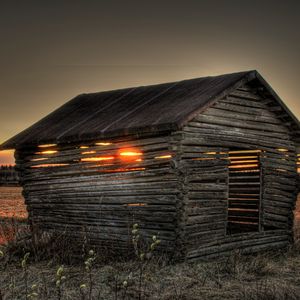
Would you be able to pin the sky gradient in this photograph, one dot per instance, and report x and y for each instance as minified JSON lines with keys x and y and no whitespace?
{"x":53,"y":50}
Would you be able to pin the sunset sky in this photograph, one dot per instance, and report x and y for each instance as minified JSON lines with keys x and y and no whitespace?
{"x":53,"y":50}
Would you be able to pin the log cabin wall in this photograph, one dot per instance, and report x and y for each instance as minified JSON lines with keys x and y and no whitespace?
{"x":182,"y":186}
{"x":98,"y":190}
{"x":176,"y":186}
{"x":243,"y":120}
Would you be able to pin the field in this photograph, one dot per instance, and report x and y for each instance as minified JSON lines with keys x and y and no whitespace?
{"x":12,"y":207}
{"x":92,"y":275}
{"x":12,"y":203}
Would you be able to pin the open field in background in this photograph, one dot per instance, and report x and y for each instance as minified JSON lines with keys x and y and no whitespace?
{"x":12,"y":203}
{"x":266,"y":276}
{"x":12,"y":212}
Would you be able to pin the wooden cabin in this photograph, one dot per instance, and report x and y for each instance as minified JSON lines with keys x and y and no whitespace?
{"x":208,"y":165}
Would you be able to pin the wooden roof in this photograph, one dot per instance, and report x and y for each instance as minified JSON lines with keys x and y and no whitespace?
{"x":141,"y":110}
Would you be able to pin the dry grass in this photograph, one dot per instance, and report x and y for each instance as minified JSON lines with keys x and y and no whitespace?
{"x":272,"y":275}
{"x":267,"y":276}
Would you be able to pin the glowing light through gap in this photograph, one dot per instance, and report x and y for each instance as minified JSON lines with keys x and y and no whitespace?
{"x":163,"y":156}
{"x":99,"y":158}
{"x":130,"y":153}
{"x":282,"y":150}
{"x":47,"y":152}
{"x":242,"y":157}
{"x":243,"y":166}
{"x":127,"y":155}
{"x":88,"y":152}
{"x":84,"y":147}
{"x":122,"y":170}
{"x":243,"y":161}
{"x":244,"y":151}
{"x":38,"y":159}
{"x":49,"y":165}
{"x":103,"y":143}
{"x":47,"y":145}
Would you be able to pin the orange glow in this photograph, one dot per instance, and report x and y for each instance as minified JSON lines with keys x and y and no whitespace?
{"x":49,"y":165}
{"x":237,"y":199}
{"x":163,"y":156}
{"x":243,"y":166}
{"x":242,"y":157}
{"x":130,"y":154}
{"x":99,"y":158}
{"x":244,"y":151}
{"x":122,"y":170}
{"x":7,"y":157}
{"x":84,"y":147}
{"x":47,"y":152}
{"x":246,"y":171}
{"x":139,"y":159}
{"x":243,"y":161}
{"x":37,"y":159}
{"x":47,"y":145}
{"x":88,"y":152}
{"x":103,"y":143}
{"x":282,"y":150}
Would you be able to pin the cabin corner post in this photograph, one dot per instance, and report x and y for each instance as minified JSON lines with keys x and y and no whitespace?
{"x":20,"y":161}
{"x":180,"y":247}
{"x":261,"y":193}
{"x":292,"y":215}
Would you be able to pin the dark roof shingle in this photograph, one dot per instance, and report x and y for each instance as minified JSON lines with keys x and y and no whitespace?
{"x":145,"y":109}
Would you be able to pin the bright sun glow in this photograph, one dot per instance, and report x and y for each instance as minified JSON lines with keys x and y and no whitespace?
{"x":130,"y":153}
